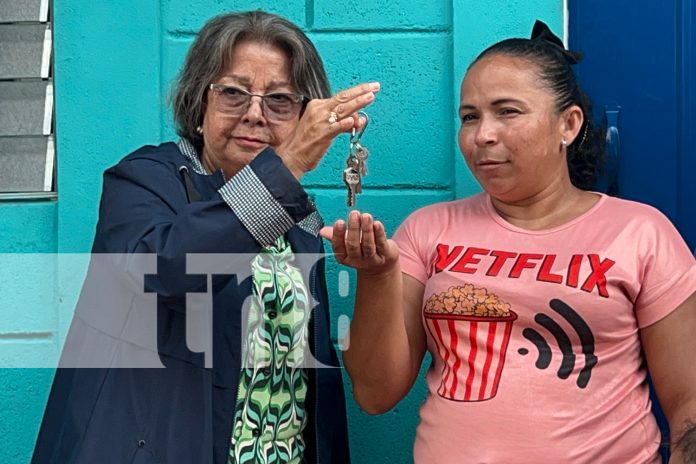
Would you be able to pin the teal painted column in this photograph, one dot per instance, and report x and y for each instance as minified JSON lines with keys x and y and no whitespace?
{"x":106,"y":62}
{"x":27,"y":320}
{"x":108,"y":101}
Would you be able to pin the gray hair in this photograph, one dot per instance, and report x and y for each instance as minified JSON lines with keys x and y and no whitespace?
{"x":211,"y":52}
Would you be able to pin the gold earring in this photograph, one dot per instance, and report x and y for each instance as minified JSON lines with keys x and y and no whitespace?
{"x":199,"y":130}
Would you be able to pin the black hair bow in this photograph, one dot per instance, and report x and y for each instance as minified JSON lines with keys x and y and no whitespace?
{"x":541,"y":32}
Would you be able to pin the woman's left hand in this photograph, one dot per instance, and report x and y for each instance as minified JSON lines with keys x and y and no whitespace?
{"x":322,"y":121}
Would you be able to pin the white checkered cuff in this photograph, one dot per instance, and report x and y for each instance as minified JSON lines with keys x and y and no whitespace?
{"x":262,"y":215}
{"x":312,"y":223}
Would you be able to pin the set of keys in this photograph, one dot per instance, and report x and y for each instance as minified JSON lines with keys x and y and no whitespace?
{"x":356,"y":164}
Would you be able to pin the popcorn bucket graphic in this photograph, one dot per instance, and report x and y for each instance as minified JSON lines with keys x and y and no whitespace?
{"x":472,"y":348}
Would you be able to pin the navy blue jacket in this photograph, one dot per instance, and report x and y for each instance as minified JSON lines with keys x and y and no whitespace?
{"x":106,"y":413}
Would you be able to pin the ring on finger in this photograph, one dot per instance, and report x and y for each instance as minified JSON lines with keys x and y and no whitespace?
{"x":333,"y":117}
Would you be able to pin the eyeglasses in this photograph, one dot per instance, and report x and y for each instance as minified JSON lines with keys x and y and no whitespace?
{"x":276,"y":106}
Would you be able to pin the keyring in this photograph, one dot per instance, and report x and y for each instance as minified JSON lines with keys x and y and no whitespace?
{"x":353,"y":138}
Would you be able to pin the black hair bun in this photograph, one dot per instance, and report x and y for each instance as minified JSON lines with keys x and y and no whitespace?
{"x":542,"y":33}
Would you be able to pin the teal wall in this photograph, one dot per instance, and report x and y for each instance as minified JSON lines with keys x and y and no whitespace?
{"x":114,"y":62}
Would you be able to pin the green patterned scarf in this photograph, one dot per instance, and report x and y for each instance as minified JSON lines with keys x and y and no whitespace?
{"x":270,"y":413}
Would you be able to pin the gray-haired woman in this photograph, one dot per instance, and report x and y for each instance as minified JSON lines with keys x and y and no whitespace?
{"x":253,"y":110}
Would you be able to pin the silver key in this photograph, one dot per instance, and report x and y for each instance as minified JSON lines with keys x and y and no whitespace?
{"x":351,"y":178}
{"x":361,"y":153}
{"x":354,"y":163}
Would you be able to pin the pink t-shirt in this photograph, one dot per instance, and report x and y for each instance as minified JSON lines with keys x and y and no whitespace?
{"x":535,"y":334}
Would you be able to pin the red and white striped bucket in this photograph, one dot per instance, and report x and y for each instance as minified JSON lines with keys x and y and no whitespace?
{"x":473,"y":352}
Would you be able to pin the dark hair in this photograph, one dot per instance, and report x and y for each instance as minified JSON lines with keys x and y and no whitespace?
{"x":211,"y":52}
{"x":587,"y":153}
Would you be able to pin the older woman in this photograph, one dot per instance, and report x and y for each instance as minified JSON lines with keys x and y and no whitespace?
{"x":253,"y":110}
{"x":539,"y":300}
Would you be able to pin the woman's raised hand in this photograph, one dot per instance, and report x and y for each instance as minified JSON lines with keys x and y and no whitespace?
{"x":321,"y":122}
{"x":362,"y":243}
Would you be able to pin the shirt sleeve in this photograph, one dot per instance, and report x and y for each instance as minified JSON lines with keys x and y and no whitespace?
{"x":669,"y":271}
{"x":266,"y":198}
{"x":410,"y":239}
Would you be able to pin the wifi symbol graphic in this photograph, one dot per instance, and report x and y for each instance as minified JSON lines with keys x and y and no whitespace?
{"x":568,"y":362}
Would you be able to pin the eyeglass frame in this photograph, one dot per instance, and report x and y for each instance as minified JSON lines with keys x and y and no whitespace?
{"x":301,"y":99}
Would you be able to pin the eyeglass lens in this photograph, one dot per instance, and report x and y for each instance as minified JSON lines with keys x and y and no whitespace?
{"x":277,"y":106}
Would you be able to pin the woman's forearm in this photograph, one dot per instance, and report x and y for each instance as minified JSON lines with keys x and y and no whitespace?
{"x":379,"y":359}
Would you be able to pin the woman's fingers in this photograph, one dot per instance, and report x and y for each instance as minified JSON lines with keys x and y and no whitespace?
{"x":353,"y":93}
{"x":381,"y":246}
{"x":327,"y":232}
{"x":360,"y":121}
{"x":349,"y":101}
{"x":338,"y":240}
{"x":346,"y":110}
{"x":339,"y":113}
{"x":368,"y":236}
{"x":322,"y":121}
{"x":360,"y":242}
{"x":340,"y":126}
{"x":353,"y":249}
{"x":357,"y":122}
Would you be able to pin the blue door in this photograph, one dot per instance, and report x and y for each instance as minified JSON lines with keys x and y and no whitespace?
{"x":639,"y":69}
{"x":639,"y":72}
